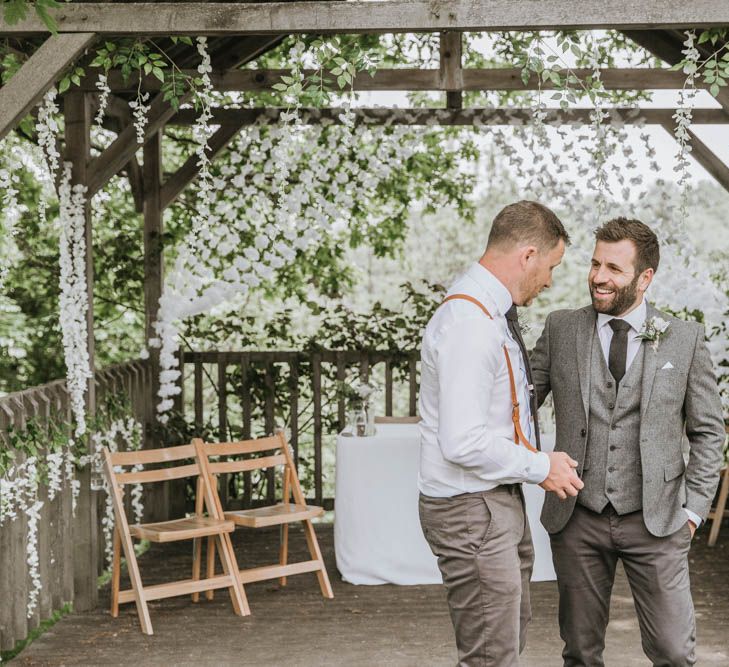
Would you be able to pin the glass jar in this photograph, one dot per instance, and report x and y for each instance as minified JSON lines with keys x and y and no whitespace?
{"x":360,"y":422}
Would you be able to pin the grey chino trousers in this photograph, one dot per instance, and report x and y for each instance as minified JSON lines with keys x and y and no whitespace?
{"x":485,"y":554}
{"x":585,"y":554}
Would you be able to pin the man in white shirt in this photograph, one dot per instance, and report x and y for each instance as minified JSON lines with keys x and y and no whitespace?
{"x":631,"y":387}
{"x":477,"y":447}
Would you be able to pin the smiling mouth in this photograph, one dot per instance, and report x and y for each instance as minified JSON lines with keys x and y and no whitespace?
{"x":602,"y":292}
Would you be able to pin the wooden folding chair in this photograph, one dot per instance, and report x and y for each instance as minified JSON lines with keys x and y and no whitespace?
{"x":277,"y":453}
{"x":719,"y":512}
{"x":197,"y":526}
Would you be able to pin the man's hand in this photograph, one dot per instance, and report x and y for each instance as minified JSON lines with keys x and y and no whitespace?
{"x":692,"y":528}
{"x":562,"y":478}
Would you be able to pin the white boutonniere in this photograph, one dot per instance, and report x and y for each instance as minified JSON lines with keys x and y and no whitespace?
{"x":653,"y":329}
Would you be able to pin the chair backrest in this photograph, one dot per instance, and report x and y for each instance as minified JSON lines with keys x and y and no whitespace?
{"x":275,"y":447}
{"x":148,"y":457}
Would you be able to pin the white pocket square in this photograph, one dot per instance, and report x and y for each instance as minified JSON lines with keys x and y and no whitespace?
{"x":667,"y":366}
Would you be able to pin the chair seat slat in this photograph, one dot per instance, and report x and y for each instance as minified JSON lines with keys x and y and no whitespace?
{"x":181,"y":529}
{"x":274,"y":515}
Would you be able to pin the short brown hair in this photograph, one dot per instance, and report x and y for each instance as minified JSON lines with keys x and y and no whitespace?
{"x":527,"y":222}
{"x":647,"y":252}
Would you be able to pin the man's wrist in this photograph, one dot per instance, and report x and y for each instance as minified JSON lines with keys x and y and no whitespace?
{"x":539,"y":470}
{"x":693,"y":517}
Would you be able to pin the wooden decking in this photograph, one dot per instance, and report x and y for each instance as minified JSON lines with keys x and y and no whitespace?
{"x":362,"y":626}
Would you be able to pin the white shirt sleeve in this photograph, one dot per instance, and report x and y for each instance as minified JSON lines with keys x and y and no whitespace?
{"x":469,"y":358}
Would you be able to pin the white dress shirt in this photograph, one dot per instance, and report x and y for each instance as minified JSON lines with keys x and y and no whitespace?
{"x":467,"y":436}
{"x":636,"y":319}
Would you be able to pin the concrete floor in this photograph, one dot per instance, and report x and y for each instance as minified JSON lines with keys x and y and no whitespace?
{"x":362,"y":626}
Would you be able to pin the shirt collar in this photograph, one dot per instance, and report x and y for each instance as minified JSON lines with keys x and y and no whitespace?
{"x":635,"y":318}
{"x":488,"y":282}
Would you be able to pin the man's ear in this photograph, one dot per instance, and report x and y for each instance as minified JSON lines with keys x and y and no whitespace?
{"x":645,"y":279}
{"x":526,"y":253}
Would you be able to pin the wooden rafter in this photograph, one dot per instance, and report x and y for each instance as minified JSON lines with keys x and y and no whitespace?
{"x":28,"y":85}
{"x":408,"y":79}
{"x":706,"y":157}
{"x":218,"y":18}
{"x":470,"y":116}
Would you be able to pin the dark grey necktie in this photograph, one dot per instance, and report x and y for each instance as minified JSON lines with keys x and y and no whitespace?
{"x":618,"y":349}
{"x":512,"y":321}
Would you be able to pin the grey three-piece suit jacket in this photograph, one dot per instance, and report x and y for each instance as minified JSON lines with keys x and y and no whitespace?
{"x":675,"y":401}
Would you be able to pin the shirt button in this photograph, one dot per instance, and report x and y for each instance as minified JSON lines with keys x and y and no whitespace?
{"x":610,"y":489}
{"x":611,"y":406}
{"x":611,"y":469}
{"x":613,"y":448}
{"x":610,"y":385}
{"x":583,"y":433}
{"x":613,"y":426}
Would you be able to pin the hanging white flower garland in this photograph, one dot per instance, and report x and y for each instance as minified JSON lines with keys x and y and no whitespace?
{"x":128,"y":431}
{"x":73,"y":299}
{"x":683,"y":117}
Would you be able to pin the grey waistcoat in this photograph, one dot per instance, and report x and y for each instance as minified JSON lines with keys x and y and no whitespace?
{"x":612,"y":471}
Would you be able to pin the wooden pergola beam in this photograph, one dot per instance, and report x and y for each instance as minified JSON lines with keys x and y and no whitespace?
{"x":471,"y":116}
{"x":221,"y":18}
{"x":408,"y":79}
{"x":28,"y":85}
{"x":178,"y":181}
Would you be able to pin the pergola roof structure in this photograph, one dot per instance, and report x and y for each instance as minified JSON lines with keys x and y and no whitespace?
{"x":240,"y":32}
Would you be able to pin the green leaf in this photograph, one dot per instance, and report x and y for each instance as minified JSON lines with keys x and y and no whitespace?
{"x":279,"y":86}
{"x":703,"y":37}
{"x":159,"y":74}
{"x":64,"y":85}
{"x":148,"y":68}
{"x":14,"y":11}
{"x":714,"y":90}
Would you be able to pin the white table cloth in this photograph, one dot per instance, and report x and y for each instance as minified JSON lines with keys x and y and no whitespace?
{"x":377,"y":534}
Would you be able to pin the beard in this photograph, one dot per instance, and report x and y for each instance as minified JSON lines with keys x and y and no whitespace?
{"x":623,"y":298}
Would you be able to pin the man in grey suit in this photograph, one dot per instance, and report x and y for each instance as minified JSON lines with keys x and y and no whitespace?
{"x":633,"y":388}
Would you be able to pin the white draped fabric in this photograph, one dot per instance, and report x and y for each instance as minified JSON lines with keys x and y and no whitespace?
{"x":377,"y":535}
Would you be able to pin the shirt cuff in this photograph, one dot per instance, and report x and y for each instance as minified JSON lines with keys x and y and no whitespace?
{"x":694,"y":517}
{"x":538,"y":469}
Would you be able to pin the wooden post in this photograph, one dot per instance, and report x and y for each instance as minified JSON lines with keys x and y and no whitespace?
{"x":152,"y":178}
{"x":451,"y":74}
{"x":152,"y":171}
{"x":77,"y":122}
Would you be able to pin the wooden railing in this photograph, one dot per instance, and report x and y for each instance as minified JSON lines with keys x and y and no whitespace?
{"x":249,"y":394}
{"x":67,"y":572}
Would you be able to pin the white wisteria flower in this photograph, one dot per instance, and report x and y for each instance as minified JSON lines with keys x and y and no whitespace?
{"x":73,"y":300}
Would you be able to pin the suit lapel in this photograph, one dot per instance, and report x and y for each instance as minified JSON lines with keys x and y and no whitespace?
{"x":584,"y":337}
{"x":650,"y":366}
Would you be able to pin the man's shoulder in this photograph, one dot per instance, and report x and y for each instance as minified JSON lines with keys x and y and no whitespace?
{"x":566,"y":317}
{"x":679,"y":326}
